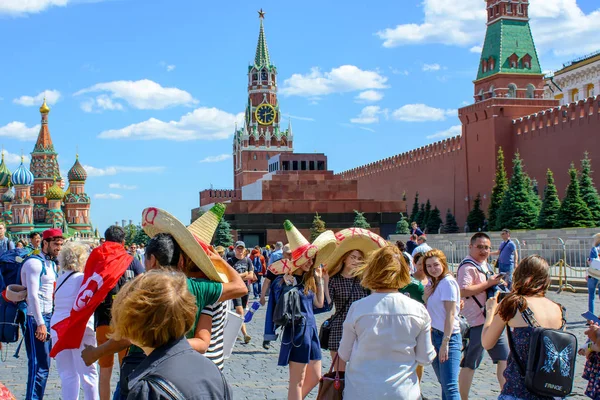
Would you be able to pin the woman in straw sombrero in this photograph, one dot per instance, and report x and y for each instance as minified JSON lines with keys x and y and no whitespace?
{"x":353,"y":245}
{"x":300,"y":347}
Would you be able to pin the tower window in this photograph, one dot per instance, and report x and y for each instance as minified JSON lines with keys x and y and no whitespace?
{"x":509,"y":8}
{"x":520,"y":9}
{"x":254,"y":157}
{"x":530,"y":91}
{"x":264,"y":76}
{"x":512,"y":91}
{"x":254,"y":77}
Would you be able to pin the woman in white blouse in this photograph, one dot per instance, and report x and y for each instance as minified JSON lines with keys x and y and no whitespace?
{"x":386,"y":334}
{"x":443,"y":303}
{"x":71,"y":368}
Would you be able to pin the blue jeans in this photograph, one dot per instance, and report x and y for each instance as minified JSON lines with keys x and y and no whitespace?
{"x":592,"y":285}
{"x":509,"y":269}
{"x":38,"y":359}
{"x":257,"y":286}
{"x":447,"y":372}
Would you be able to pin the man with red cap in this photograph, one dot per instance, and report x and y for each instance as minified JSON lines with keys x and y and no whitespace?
{"x":38,"y":275}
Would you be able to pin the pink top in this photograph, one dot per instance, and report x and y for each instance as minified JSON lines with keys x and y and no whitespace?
{"x":469,"y":275}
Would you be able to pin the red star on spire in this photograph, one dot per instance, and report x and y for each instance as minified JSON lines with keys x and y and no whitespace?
{"x":261,"y":14}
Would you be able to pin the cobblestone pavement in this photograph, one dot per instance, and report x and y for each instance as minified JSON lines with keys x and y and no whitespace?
{"x":254,"y":374}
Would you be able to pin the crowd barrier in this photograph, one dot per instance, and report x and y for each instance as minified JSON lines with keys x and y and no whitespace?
{"x":567,"y":257}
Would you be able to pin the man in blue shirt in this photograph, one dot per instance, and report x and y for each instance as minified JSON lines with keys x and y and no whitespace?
{"x":508,"y":257}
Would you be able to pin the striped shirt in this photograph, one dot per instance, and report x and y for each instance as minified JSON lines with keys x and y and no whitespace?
{"x":215,"y":348}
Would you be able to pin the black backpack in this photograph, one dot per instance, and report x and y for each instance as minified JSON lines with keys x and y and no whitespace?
{"x":288,"y":311}
{"x":550,"y":368}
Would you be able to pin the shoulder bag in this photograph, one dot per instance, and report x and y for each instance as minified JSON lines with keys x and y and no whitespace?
{"x":331,"y":385}
{"x":325,"y":330}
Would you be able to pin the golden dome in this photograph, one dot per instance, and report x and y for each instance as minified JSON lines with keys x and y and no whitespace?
{"x":44,"y":109}
{"x":54,"y":192}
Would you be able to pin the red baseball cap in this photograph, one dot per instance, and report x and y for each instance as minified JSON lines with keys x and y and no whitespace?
{"x":52,"y":234}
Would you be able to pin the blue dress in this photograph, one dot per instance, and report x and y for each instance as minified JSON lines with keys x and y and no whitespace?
{"x":300,"y":343}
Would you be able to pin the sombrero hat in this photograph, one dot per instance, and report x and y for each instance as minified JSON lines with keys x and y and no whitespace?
{"x":194,"y":240}
{"x":352,"y":239}
{"x":303,"y":250}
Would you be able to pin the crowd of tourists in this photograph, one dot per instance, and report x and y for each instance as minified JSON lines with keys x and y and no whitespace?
{"x":162,"y":307}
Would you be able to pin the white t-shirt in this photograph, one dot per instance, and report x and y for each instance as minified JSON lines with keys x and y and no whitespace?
{"x":446,"y":290}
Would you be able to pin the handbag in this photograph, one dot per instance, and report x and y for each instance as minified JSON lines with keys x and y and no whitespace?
{"x":594,"y":268}
{"x":331,"y":385}
{"x":325,"y":330}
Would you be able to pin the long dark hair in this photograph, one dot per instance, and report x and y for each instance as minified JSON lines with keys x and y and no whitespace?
{"x":531,"y":279}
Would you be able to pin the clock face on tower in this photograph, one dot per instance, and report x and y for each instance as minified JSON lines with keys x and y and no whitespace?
{"x":265,"y":114}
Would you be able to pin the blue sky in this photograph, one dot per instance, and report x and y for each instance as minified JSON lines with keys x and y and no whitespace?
{"x":149,"y":91}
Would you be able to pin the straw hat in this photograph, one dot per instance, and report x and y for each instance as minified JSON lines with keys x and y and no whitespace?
{"x":303,"y":250}
{"x":194,"y":240}
{"x":352,"y":239}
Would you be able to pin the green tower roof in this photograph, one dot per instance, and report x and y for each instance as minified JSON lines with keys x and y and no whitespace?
{"x":503,"y":39}
{"x":262,"y":59}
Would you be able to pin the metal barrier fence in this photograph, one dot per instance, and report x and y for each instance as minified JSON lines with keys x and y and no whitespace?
{"x":567,"y":257}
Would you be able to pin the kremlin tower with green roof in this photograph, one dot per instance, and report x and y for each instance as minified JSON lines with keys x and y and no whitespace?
{"x":39,"y":201}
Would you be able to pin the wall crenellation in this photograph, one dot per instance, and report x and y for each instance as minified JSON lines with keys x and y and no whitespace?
{"x":408,"y":158}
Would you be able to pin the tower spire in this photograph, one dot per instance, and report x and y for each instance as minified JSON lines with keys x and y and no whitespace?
{"x":262,"y":59}
{"x":44,"y":141}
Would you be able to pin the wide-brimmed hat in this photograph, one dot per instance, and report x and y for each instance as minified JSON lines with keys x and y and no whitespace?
{"x":352,"y":239}
{"x":303,"y":250}
{"x":194,"y":239}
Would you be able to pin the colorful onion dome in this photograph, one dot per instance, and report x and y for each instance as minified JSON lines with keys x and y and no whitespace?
{"x":8,"y":196}
{"x":22,"y":175}
{"x":55,"y":192}
{"x":44,"y":109}
{"x":4,"y":173}
{"x":77,"y":172}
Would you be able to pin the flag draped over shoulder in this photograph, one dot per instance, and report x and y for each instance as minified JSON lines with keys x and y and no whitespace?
{"x":104,"y":268}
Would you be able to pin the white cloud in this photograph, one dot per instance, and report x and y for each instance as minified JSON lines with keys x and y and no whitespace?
{"x":109,"y":171}
{"x":143,"y":94}
{"x":22,"y":7}
{"x":364,"y":128}
{"x":300,"y":118}
{"x":108,"y":196}
{"x":431,"y":67}
{"x":346,"y":78}
{"x":202,"y":123}
{"x":213,"y":159}
{"x":421,"y":113}
{"x":369,"y":96}
{"x":121,"y":186}
{"x":396,"y":71}
{"x":368,"y":115}
{"x":476,"y":49}
{"x":455,"y":130}
{"x":51,"y":96}
{"x":102,"y":102}
{"x":170,"y":68}
{"x":18,"y":130}
{"x":12,"y":158}
{"x":463,"y":24}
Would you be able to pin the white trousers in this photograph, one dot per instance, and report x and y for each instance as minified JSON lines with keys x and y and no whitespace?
{"x":75,"y":374}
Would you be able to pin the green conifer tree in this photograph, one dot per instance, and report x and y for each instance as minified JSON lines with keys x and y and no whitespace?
{"x":500,"y":187}
{"x":415,"y":209}
{"x":223,"y":235}
{"x":420,"y":216}
{"x":130,"y":234}
{"x":476,"y":217}
{"x":533,"y":192}
{"x":402,"y":227}
{"x":574,"y":213}
{"x":588,"y":191}
{"x":426,"y":215}
{"x":550,"y":206}
{"x":141,"y":237}
{"x":518,"y":209}
{"x":318,"y":227}
{"x":435,"y":221}
{"x":360,"y":221}
{"x":450,"y":226}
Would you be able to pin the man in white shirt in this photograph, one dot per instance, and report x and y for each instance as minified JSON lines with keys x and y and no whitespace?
{"x":38,"y":275}
{"x":423,"y":247}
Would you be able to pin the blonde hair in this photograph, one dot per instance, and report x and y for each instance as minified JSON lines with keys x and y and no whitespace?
{"x":385,"y":269}
{"x":596,"y":239}
{"x":153,"y":309}
{"x":73,"y":256}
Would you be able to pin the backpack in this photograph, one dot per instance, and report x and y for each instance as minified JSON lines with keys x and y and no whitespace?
{"x":12,"y":315}
{"x":288,"y":311}
{"x":258,"y":267}
{"x":550,"y":368}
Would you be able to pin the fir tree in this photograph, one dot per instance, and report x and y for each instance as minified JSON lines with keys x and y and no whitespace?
{"x":415,"y":209}
{"x":318,"y":227}
{"x":500,"y":187}
{"x":550,"y":206}
{"x":360,"y":220}
{"x":518,"y":209}
{"x":574,"y":213}
{"x":420,"y":216}
{"x":533,"y":193}
{"x":223,"y":235}
{"x":588,"y":191}
{"x":402,"y":227}
{"x":426,"y":215}
{"x":141,"y":237}
{"x":435,"y":221}
{"x":450,"y":226}
{"x":476,"y":217}
{"x":131,"y":232}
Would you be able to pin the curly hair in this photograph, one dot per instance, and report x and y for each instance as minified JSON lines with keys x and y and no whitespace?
{"x":73,"y":256}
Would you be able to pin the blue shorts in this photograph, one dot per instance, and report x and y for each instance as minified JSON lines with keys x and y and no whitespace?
{"x":304,"y":348}
{"x":473,"y":353}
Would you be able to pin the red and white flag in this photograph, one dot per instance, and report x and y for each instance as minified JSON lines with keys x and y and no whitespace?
{"x":104,"y":268}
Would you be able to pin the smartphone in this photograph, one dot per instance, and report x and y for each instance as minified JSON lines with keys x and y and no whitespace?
{"x":591,"y":317}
